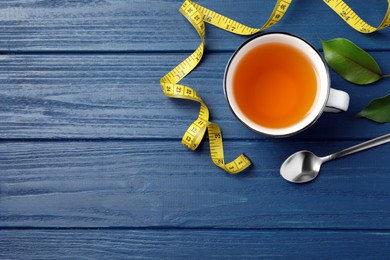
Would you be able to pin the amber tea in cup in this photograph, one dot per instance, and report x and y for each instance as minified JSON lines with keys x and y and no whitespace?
{"x":278,"y":84}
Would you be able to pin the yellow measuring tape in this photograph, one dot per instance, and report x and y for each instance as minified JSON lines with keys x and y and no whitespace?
{"x":197,"y":15}
{"x":351,"y":18}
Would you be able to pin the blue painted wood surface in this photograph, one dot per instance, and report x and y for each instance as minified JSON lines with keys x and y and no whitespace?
{"x":91,"y":160}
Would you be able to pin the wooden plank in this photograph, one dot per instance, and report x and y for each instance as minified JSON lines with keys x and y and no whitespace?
{"x":119,"y":96}
{"x":193,"y":244}
{"x":162,"y":184}
{"x":120,"y":25}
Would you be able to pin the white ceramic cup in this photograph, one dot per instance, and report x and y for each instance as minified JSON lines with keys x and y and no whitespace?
{"x":327,"y":99}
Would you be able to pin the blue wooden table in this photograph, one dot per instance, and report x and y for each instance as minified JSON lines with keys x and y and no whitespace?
{"x":91,"y":164}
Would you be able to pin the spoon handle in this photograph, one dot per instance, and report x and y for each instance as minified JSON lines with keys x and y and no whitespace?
{"x":359,"y":147}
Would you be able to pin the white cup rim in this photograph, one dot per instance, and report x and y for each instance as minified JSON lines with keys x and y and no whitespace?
{"x":321,"y":99}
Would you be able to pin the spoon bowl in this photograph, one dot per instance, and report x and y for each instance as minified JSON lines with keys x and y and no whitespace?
{"x":301,"y":167}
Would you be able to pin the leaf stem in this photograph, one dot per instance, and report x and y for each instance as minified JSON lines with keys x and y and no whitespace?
{"x":385,"y":75}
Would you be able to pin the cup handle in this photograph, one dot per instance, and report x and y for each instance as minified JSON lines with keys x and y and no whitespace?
{"x":338,"y":101}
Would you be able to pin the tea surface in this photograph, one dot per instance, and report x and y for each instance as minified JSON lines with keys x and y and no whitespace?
{"x":275,"y":85}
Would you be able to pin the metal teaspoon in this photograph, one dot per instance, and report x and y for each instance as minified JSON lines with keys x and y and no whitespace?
{"x":304,"y":166}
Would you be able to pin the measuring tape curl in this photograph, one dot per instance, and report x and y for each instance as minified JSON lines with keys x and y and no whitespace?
{"x":351,"y":18}
{"x":197,"y":15}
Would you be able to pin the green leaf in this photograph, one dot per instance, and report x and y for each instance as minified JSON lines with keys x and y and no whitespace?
{"x":351,"y":62}
{"x":378,"y":110}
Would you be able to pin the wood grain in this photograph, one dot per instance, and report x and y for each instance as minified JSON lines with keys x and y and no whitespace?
{"x":193,"y":244}
{"x":134,"y":26}
{"x":119,"y":96}
{"x":157,"y":183}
